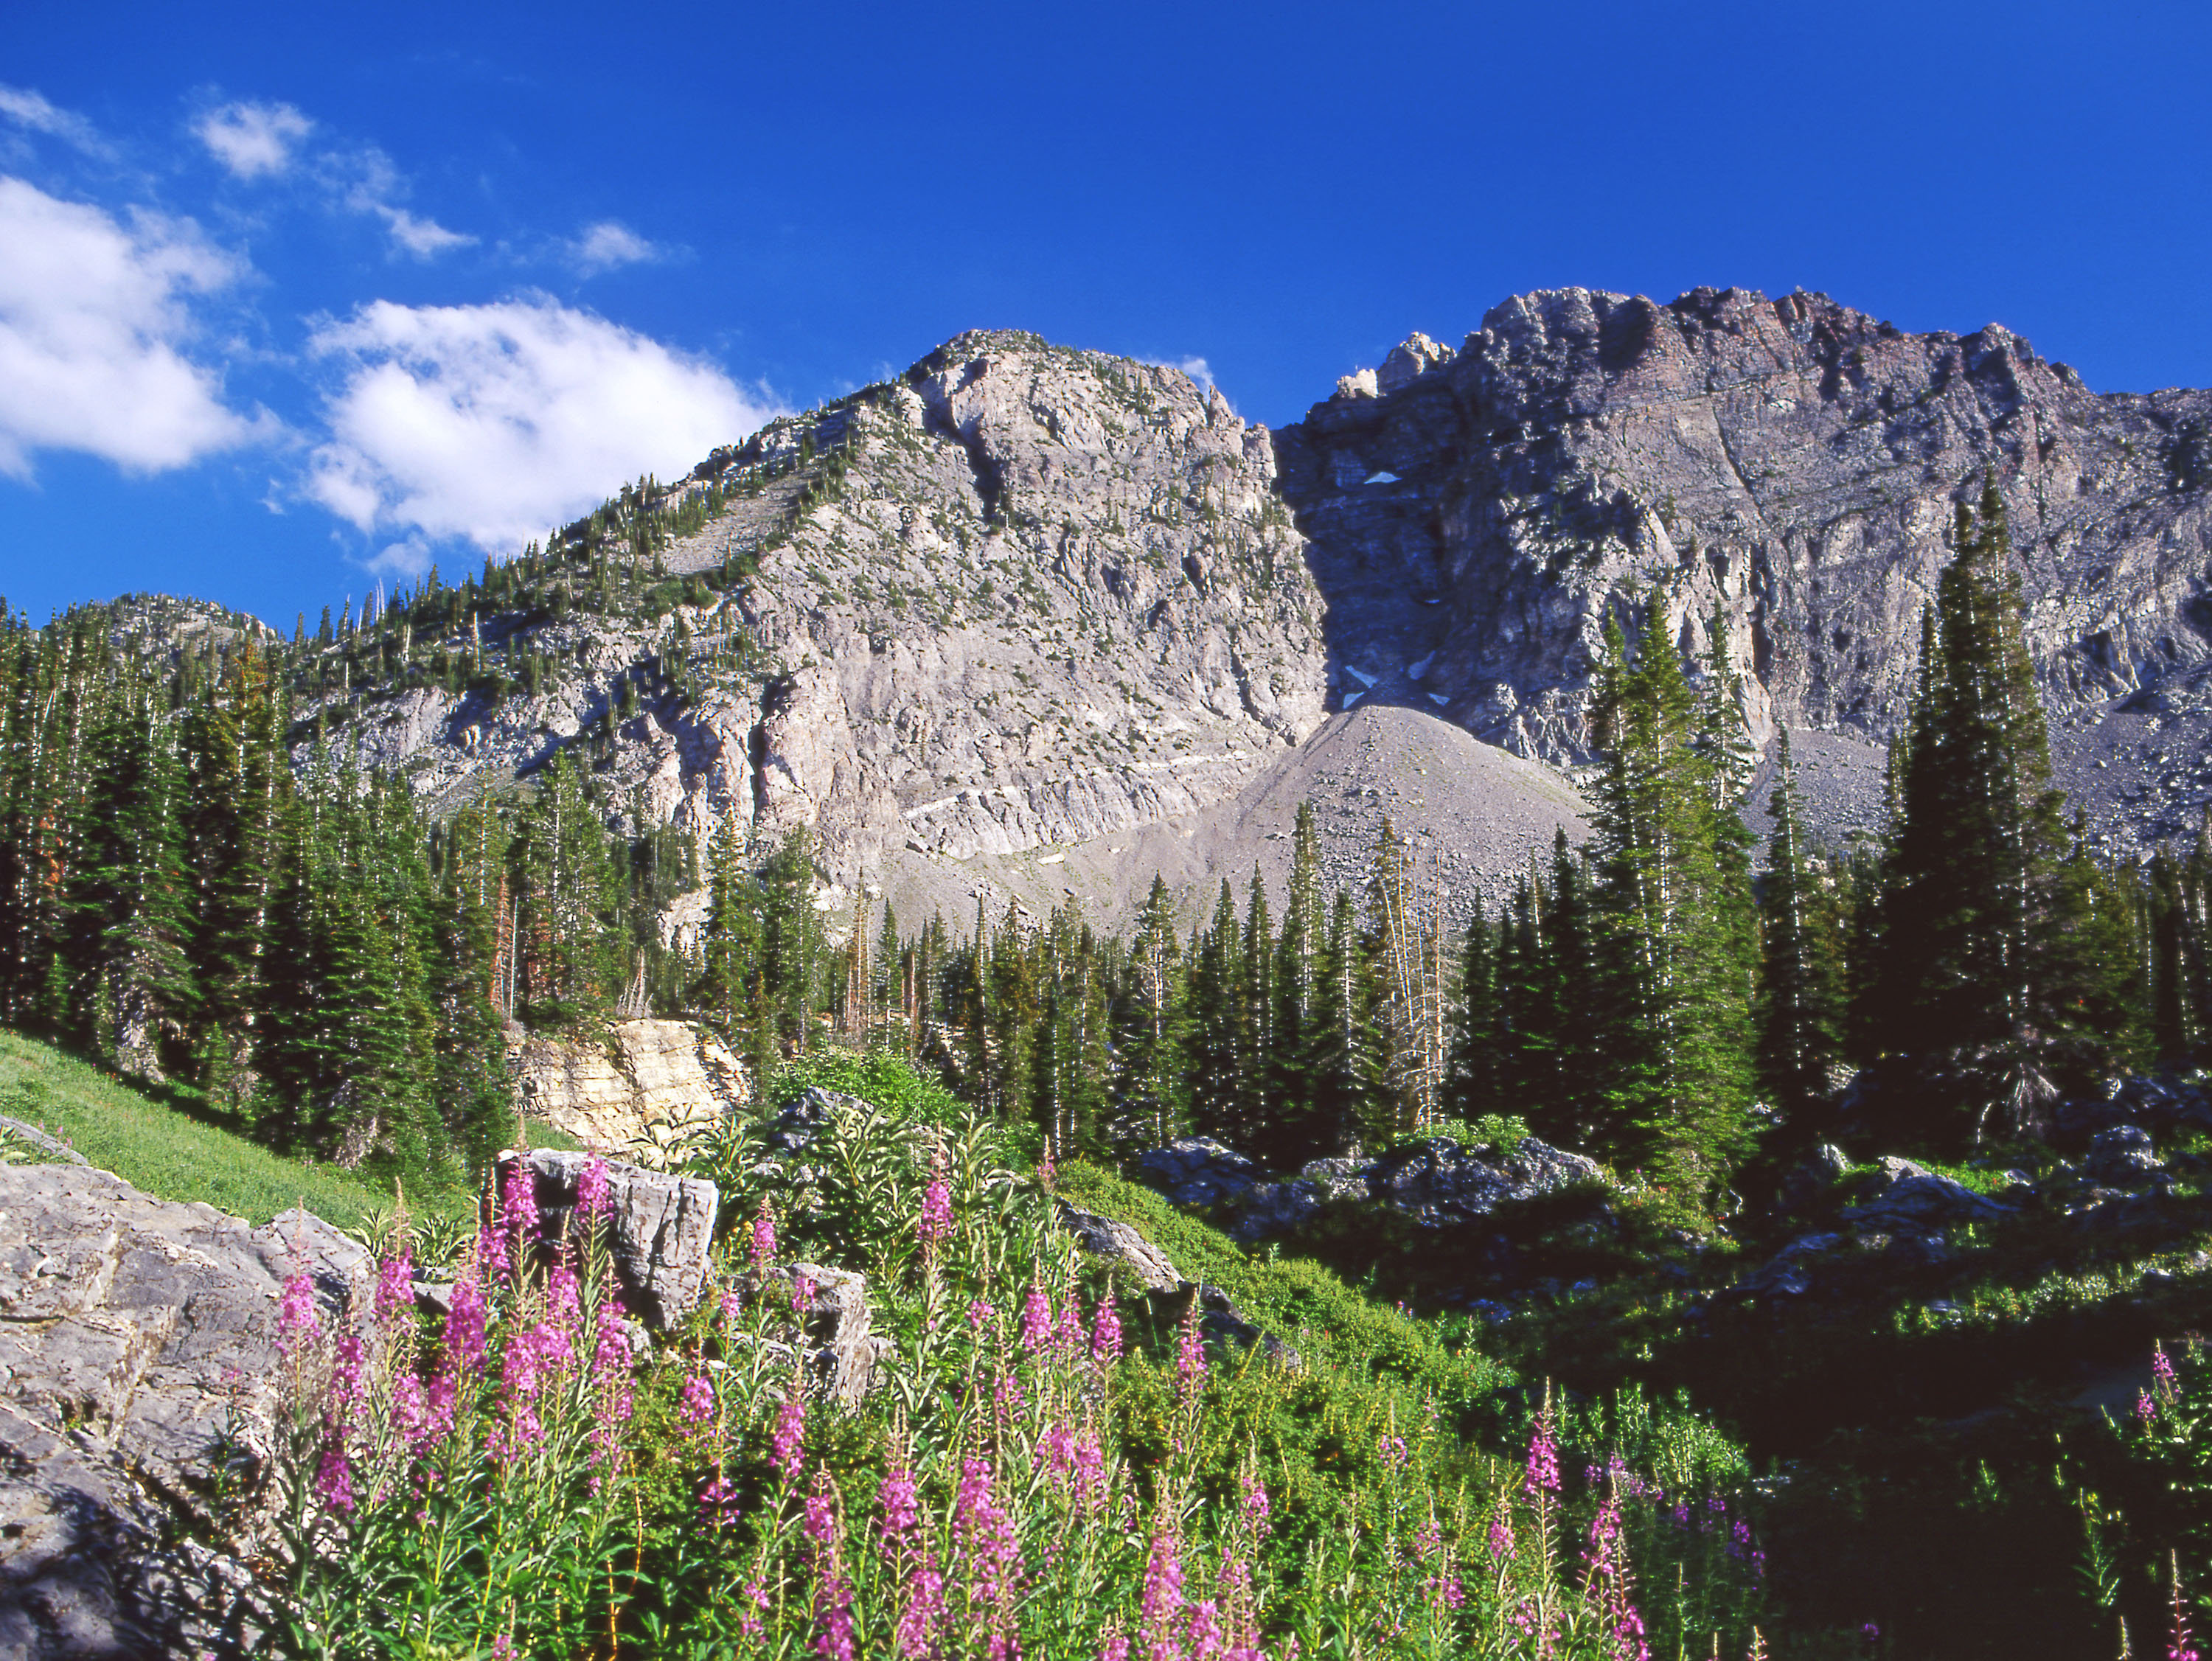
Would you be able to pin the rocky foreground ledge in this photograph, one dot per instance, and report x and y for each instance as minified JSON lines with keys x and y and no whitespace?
{"x":140,"y":1379}
{"x":138,"y":1375}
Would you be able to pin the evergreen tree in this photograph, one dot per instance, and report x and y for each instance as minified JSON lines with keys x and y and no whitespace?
{"x":1801,"y":1002}
{"x":1975,"y":1008}
{"x":1153,"y":1023}
{"x":1677,"y":1067}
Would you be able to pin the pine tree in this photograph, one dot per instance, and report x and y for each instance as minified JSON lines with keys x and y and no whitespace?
{"x":1801,"y":1001}
{"x":1971,"y":1007}
{"x":1153,"y":1025}
{"x":1673,"y":941}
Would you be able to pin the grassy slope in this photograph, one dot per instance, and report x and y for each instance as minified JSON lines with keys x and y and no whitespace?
{"x":163,"y":1152}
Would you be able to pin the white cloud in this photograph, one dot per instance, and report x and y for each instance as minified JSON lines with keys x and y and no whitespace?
{"x":93,"y":315}
{"x":253,"y":141}
{"x":409,"y":557}
{"x":491,"y":422}
{"x":30,"y":109}
{"x":367,"y":183}
{"x":608,"y":246}
{"x":1196,"y":368}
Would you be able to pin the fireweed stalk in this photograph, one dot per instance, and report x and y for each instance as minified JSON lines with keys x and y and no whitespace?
{"x":1022,"y":1483}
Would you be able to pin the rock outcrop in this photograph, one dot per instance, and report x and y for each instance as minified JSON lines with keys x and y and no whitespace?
{"x":1792,"y":463}
{"x":1032,"y":622}
{"x":138,"y":1368}
{"x":660,"y":1227}
{"x":648,"y":1076}
{"x":1435,"y":1183}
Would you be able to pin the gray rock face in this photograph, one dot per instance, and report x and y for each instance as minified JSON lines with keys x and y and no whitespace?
{"x":1439,"y":1184}
{"x":1436,"y":1183}
{"x":659,"y":1227}
{"x":1792,"y":462}
{"x":1146,"y":1264}
{"x":820,"y":1315}
{"x":137,"y":1356}
{"x":1040,"y":621}
{"x":1197,"y":1171}
{"x":2123,"y":1157}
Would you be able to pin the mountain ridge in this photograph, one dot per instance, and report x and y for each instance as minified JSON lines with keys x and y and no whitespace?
{"x":1026,"y":621}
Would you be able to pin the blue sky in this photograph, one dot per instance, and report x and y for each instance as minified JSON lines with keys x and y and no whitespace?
{"x":291,"y":297}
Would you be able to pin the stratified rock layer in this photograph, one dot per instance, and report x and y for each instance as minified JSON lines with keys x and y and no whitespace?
{"x":649,"y":1075}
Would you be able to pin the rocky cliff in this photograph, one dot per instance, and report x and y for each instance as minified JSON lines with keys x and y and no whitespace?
{"x":1474,"y":515}
{"x":1039,"y":623}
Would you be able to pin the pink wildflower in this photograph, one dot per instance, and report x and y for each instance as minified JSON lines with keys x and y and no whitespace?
{"x":1205,"y":1630}
{"x":986,"y":1534}
{"x":1059,"y":1451}
{"x":395,"y":1289}
{"x":924,"y":1614}
{"x":901,"y":1503}
{"x":593,"y":1200}
{"x":1501,"y":1533}
{"x":1036,"y":1320}
{"x":763,"y":1236}
{"x":346,"y":1384}
{"x":936,"y":1206}
{"x":790,"y":1439}
{"x":564,"y":1297}
{"x":519,"y":1217}
{"x":1163,"y":1596}
{"x":1607,"y":1581}
{"x":1256,"y":1508}
{"x":1115,"y":1648}
{"x":1090,"y":1471}
{"x":1106,"y":1333}
{"x":1542,"y":1477}
{"x":718,"y":1503}
{"x":695,"y":1407}
{"x":1190,"y":1355}
{"x":298,"y":1325}
{"x":334,"y":1477}
{"x":610,"y":1373}
{"x":821,"y":1525}
{"x":978,"y":1313}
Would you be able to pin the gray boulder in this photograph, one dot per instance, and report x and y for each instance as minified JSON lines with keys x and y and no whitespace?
{"x":137,"y":1366}
{"x":1197,"y":1171}
{"x":1275,"y":1209}
{"x":659,"y":1227}
{"x":820,"y":1314}
{"x":1337,"y":1179}
{"x":1906,"y":1199}
{"x":1437,"y":1183}
{"x":2123,"y":1157}
{"x":1146,"y":1264}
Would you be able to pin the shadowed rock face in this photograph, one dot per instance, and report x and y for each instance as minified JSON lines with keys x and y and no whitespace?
{"x":1792,"y":462}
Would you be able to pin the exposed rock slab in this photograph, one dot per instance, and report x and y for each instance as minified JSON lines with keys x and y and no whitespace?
{"x":649,"y":1074}
{"x":136,"y":1354}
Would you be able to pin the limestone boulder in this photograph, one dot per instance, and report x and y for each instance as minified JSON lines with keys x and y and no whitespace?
{"x":660,"y":1228}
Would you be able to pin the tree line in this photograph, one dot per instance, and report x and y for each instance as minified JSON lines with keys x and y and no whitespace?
{"x":209,"y":896}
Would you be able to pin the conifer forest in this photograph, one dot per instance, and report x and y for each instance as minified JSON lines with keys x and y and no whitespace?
{"x":196,"y":890}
